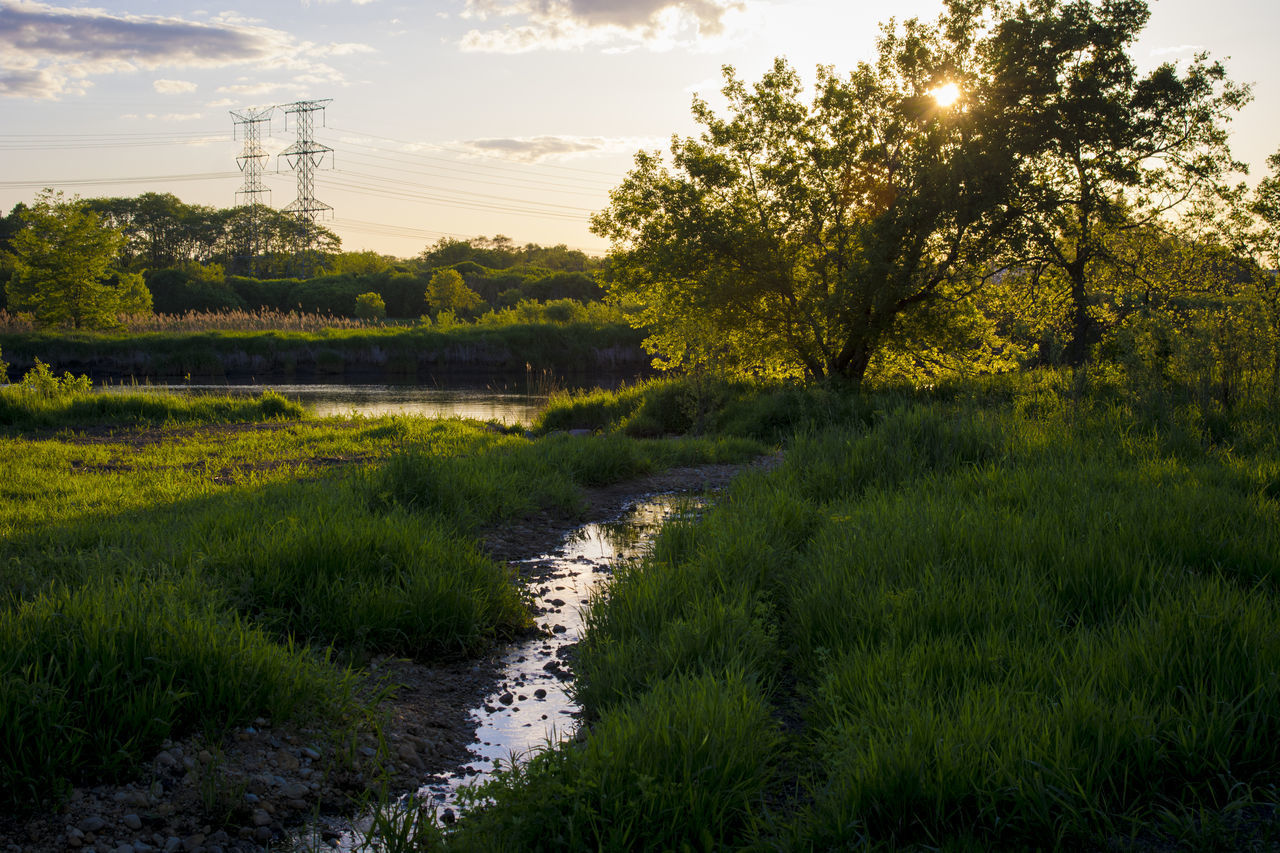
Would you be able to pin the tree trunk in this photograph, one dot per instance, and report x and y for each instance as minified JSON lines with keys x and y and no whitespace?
{"x":1084,"y":330}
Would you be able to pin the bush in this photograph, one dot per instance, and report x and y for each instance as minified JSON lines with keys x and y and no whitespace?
{"x":369,"y":306}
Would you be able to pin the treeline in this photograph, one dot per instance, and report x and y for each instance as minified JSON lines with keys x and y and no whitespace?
{"x":195,"y":258}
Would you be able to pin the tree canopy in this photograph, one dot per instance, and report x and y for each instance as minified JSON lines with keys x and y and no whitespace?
{"x":789,"y":237}
{"x":62,"y":257}
{"x":801,"y":238}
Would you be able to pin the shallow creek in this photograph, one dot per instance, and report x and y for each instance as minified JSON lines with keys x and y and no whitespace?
{"x":531,"y":706}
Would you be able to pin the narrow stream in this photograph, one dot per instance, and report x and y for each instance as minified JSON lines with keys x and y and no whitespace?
{"x":531,"y":706}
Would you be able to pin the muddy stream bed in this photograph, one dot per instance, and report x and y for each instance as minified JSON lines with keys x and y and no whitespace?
{"x":530,"y":705}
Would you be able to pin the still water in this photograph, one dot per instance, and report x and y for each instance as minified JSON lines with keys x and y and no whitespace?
{"x":508,"y":402}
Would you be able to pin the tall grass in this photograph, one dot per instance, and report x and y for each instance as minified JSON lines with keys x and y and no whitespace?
{"x":158,"y":583}
{"x":1015,"y":615}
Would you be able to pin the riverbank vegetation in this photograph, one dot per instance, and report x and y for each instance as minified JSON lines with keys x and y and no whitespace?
{"x":189,"y":565}
{"x":563,"y":336}
{"x":1025,"y":612}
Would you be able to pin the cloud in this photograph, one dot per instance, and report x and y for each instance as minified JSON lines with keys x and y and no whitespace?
{"x":531,"y":149}
{"x":610,"y":24}
{"x":50,"y":51}
{"x":173,"y":87}
{"x":1181,"y":48}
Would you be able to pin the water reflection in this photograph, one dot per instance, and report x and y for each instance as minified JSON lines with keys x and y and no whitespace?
{"x":508,"y":404}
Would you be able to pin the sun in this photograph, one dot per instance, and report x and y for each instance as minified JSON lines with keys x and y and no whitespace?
{"x":946,"y":94}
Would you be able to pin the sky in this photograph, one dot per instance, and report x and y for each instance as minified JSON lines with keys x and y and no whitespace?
{"x":452,"y":118}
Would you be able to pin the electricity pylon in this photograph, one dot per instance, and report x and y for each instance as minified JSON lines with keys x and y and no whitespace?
{"x":304,"y":157}
{"x":252,"y":159}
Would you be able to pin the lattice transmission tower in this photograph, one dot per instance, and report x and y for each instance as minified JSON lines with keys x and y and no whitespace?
{"x":253,"y":157}
{"x":254,"y":194}
{"x":304,"y":157}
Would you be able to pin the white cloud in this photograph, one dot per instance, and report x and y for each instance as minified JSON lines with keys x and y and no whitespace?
{"x":531,"y":149}
{"x":614,"y":25}
{"x":1181,"y":48}
{"x":173,"y":87}
{"x":183,"y":117}
{"x":50,"y":51}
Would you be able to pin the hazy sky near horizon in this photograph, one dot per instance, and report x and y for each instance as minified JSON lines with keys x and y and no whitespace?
{"x":452,"y":117}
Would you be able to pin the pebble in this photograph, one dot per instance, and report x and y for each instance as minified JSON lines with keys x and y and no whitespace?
{"x":132,"y":821}
{"x":93,"y":823}
{"x":261,"y":818}
{"x":308,"y":752}
{"x":540,"y":693}
{"x":506,"y":698}
{"x":193,"y":842}
{"x":171,"y":844}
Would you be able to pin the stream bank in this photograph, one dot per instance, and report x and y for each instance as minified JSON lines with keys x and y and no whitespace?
{"x":249,"y":789}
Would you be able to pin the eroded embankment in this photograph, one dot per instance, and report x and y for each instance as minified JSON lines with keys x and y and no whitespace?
{"x":405,"y":352}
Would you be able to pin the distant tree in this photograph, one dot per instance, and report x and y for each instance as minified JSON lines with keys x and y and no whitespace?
{"x":1105,"y":149}
{"x":369,"y":306}
{"x":448,"y":292}
{"x":358,"y":263}
{"x":791,"y":238}
{"x":62,"y":257}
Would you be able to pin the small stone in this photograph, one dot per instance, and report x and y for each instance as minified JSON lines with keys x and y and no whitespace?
{"x":286,"y":760}
{"x":172,"y":843}
{"x":75,"y":837}
{"x":540,"y":694}
{"x":409,"y":755}
{"x":308,"y":752}
{"x":125,"y":848}
{"x":297,"y":805}
{"x":193,"y":842}
{"x":205,"y":756}
{"x":132,"y":821}
{"x":559,"y":629}
{"x":91,"y":824}
{"x":260,"y":818}
{"x":262,"y":833}
{"x":506,"y":698}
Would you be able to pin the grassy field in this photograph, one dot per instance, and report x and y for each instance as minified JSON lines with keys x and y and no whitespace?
{"x":172,"y":566}
{"x":1017,"y":614}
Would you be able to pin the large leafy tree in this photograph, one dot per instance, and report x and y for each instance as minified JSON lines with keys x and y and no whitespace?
{"x":791,"y":237}
{"x":1109,"y":150}
{"x":62,"y":256}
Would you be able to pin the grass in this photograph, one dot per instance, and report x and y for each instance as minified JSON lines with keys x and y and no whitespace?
{"x":1002,"y":615}
{"x":177,"y":569}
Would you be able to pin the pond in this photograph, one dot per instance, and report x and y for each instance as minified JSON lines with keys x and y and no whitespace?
{"x":504,"y":400}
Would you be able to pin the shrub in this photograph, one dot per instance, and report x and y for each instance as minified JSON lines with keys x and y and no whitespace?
{"x":369,"y":306}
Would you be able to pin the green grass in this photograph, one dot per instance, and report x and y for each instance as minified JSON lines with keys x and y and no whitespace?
{"x":1002,"y":615}
{"x":190,"y":571}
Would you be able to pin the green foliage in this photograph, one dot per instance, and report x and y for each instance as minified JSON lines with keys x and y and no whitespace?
{"x":1106,"y":149}
{"x":40,"y":381}
{"x":448,"y":293}
{"x":788,"y":239}
{"x":61,"y":259}
{"x":369,"y":306}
